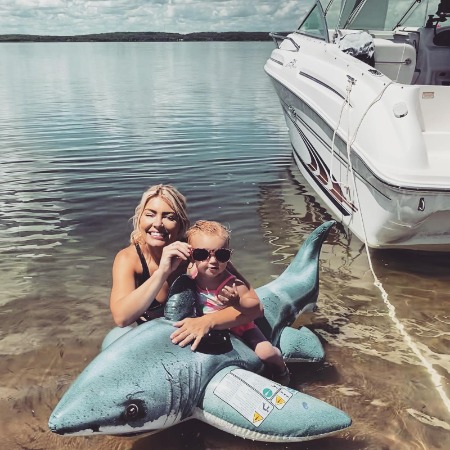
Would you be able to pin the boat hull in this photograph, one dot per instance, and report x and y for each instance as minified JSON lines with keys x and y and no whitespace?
{"x":382,"y":213}
{"x":368,"y":137}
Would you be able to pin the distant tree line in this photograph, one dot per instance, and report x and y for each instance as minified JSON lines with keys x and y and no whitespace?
{"x":143,"y":37}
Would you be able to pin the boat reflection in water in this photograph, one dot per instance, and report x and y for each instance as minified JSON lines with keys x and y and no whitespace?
{"x":386,"y":357}
{"x":367,"y":113}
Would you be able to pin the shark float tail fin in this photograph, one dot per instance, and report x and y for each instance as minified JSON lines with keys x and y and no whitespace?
{"x":306,"y":262}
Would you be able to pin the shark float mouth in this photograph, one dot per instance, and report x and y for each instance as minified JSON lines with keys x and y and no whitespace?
{"x":141,"y":382}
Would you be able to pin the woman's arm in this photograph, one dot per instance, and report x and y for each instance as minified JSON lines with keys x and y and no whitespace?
{"x":127,"y":302}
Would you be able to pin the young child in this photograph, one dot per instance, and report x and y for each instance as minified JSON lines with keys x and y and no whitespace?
{"x":217,"y":288}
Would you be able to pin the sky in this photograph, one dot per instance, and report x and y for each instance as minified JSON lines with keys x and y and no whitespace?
{"x":71,"y":17}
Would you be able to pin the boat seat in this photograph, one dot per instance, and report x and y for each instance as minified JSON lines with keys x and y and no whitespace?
{"x":396,"y":60}
{"x":442,"y":39}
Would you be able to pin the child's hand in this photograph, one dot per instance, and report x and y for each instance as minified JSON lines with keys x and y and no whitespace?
{"x":229,"y":296}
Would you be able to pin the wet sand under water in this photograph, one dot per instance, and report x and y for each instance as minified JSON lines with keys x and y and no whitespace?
{"x":387,"y":362}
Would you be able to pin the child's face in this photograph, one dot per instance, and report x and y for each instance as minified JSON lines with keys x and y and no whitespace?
{"x":210,"y":267}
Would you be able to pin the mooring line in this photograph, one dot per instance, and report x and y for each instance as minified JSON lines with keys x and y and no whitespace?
{"x":435,"y":377}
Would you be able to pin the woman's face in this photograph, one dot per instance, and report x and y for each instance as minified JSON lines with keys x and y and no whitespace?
{"x":159,"y":223}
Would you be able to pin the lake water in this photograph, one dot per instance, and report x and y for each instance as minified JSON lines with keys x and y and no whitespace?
{"x":84,"y":129}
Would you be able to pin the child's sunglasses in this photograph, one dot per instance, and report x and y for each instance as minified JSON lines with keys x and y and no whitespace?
{"x":221,"y":254}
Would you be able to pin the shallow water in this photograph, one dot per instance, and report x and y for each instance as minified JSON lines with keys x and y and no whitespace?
{"x":84,"y":129}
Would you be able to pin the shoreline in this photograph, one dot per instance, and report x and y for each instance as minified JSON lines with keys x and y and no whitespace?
{"x":142,"y":37}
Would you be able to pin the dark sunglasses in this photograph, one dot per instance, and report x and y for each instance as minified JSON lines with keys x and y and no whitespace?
{"x":221,"y":254}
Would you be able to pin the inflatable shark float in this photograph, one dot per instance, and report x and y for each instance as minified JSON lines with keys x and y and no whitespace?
{"x":141,"y":382}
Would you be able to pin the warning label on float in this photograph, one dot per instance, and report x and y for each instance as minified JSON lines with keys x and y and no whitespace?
{"x":244,"y":398}
{"x":276,"y":393}
{"x":281,"y":398}
{"x":258,"y":382}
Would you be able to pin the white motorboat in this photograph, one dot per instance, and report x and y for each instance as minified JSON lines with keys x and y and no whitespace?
{"x":365,"y":89}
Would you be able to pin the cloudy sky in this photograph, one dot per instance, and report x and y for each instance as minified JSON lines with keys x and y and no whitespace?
{"x":69,"y":17}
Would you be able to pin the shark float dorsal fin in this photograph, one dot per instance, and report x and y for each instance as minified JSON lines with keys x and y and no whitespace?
{"x":296,"y":289}
{"x":181,"y":300}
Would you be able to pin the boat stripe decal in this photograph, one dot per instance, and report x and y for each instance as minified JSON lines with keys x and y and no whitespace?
{"x":310,"y":77}
{"x":319,"y":172}
{"x":343,"y":160}
{"x":276,"y":61}
{"x":397,"y":187}
{"x":338,"y":154}
{"x":343,"y":211}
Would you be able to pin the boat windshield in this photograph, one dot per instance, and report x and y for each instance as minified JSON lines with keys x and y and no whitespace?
{"x":378,"y":14}
{"x":313,"y":23}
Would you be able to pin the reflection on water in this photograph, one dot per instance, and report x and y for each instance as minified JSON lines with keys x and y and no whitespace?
{"x":84,"y":129}
{"x":387,"y":358}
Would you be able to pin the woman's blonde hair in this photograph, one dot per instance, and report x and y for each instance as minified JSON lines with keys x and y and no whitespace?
{"x":209,"y":227}
{"x":172,"y":197}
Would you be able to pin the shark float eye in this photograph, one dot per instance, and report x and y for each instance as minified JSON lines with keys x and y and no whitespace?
{"x":132,"y":411}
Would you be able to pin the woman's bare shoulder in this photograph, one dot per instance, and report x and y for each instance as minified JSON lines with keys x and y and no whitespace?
{"x":127,"y":255}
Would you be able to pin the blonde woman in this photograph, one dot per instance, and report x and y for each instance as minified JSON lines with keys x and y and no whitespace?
{"x":143,"y":271}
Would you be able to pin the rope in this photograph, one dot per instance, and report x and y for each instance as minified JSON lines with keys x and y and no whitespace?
{"x":435,"y":377}
{"x":346,"y":102}
{"x":401,"y":62}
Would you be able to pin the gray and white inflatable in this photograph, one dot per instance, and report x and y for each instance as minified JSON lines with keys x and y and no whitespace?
{"x":141,"y":382}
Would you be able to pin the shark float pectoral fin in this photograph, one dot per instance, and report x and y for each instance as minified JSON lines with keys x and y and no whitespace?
{"x":113,"y":335}
{"x":301,"y":345}
{"x":253,"y":407}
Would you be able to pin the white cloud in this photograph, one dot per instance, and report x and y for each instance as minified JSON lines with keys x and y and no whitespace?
{"x":68,"y":17}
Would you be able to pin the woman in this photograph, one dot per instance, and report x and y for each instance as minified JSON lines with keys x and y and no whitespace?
{"x":156,"y":256}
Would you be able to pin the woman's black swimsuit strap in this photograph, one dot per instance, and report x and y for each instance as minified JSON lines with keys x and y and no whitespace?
{"x":145,"y":272}
{"x":155,"y":309}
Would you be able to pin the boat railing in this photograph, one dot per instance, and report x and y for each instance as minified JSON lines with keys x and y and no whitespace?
{"x":278,"y":38}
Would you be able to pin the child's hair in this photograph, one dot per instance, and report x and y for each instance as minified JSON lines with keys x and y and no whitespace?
{"x":172,"y":197}
{"x":208,"y":227}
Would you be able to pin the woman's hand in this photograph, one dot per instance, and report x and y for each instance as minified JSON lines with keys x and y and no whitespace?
{"x":192,"y":330}
{"x":172,"y":256}
{"x":229,"y":296}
